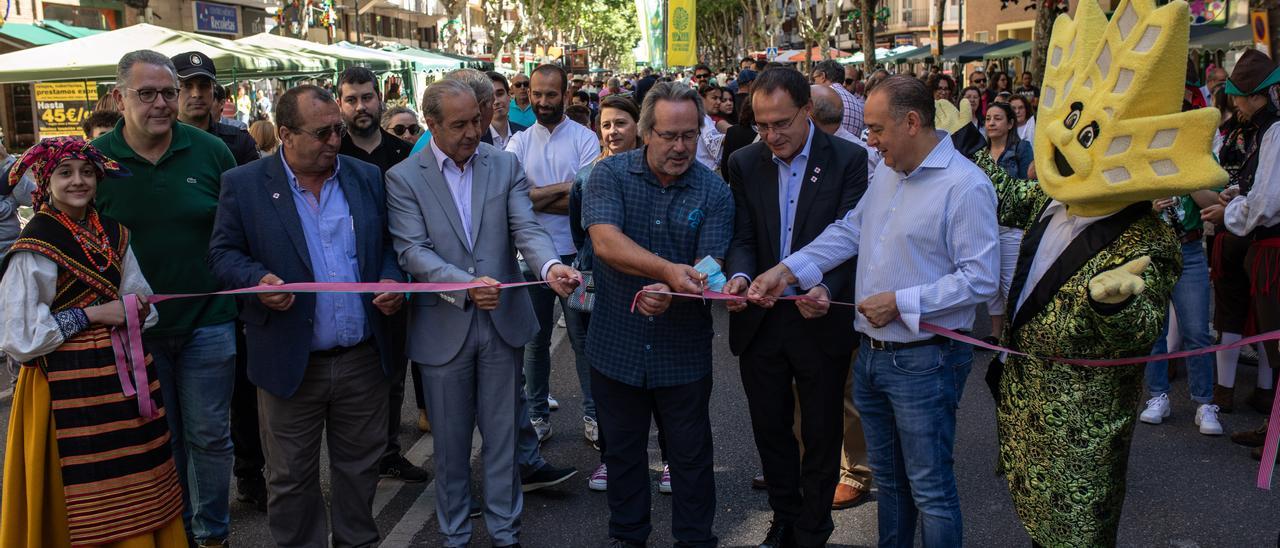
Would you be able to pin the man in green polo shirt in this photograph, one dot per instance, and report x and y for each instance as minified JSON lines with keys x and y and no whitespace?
{"x":168,"y":202}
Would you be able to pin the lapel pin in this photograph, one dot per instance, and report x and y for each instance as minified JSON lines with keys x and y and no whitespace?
{"x":275,"y":196}
{"x":813,"y":179}
{"x":817,"y":170}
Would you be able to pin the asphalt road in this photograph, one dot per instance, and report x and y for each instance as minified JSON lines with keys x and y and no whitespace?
{"x":1184,"y":489}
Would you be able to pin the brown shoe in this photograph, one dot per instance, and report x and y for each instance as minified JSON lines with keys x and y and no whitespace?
{"x":1251,"y":438}
{"x":847,"y":496}
{"x":1256,"y":453}
{"x":1260,"y":400}
{"x":758,"y":483}
{"x":424,"y":425}
{"x":1224,"y":398}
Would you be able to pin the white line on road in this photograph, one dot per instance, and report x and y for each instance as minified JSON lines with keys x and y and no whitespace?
{"x":423,"y":509}
{"x":389,"y":488}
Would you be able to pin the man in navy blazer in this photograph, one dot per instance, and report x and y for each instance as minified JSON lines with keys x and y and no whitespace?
{"x":320,"y":360}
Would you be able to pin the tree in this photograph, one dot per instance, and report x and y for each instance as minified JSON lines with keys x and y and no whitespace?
{"x":867,"y":21}
{"x":454,"y":27}
{"x":609,"y":28}
{"x":768,"y":17}
{"x":818,"y":23}
{"x":718,"y":25}
{"x":940,"y":7}
{"x":495,"y":18}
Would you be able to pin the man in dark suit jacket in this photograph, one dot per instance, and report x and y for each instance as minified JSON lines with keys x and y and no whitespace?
{"x":787,"y":188}
{"x":320,"y":361}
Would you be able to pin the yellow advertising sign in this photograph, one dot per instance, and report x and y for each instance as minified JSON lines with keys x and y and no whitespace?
{"x":682,"y":43}
{"x":61,"y":106}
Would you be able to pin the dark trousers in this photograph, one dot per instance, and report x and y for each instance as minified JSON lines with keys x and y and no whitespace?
{"x":398,"y":325}
{"x":623,"y":412}
{"x":244,"y":418}
{"x":800,"y":487}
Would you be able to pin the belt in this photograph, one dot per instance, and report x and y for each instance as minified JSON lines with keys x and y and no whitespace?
{"x":338,"y":351}
{"x":876,"y":344}
{"x":1192,"y":236}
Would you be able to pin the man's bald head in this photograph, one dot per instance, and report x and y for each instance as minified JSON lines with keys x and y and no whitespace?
{"x":828,"y":108}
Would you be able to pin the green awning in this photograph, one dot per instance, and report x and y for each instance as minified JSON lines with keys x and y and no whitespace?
{"x":981,"y":53}
{"x":95,"y":57}
{"x":71,"y":31}
{"x":953,"y":52}
{"x":377,"y":62}
{"x":1014,"y":50}
{"x":30,"y":34}
{"x":1223,"y":39}
{"x":434,"y":60}
{"x":905,"y":56}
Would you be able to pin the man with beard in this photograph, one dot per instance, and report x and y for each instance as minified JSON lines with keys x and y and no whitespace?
{"x":360,"y":102}
{"x":552,"y":152}
{"x":197,"y":77}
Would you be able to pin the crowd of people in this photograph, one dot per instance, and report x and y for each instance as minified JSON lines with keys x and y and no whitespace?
{"x":778,"y":188}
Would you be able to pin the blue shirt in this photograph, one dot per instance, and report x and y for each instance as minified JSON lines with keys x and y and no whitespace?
{"x":940,"y":255}
{"x":682,"y":223}
{"x":790,"y":178}
{"x":525,"y":117}
{"x":422,"y":142}
{"x":329,"y":229}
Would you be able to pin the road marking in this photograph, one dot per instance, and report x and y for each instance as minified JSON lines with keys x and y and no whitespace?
{"x":388,"y":488}
{"x":423,"y":510}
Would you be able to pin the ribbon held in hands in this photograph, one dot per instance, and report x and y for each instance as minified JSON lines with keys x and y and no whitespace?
{"x":126,"y":341}
{"x":348,"y":287}
{"x":1270,"y":446}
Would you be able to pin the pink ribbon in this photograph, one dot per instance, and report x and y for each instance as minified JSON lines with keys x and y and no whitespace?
{"x":126,"y":341}
{"x":348,"y":287}
{"x":1273,"y":430}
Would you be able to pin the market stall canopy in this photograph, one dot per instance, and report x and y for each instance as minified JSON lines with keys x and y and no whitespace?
{"x":953,"y":52}
{"x":21,"y":33}
{"x":71,"y":31}
{"x":377,"y":61}
{"x":902,"y":55}
{"x":979,"y":53}
{"x":95,"y":57}
{"x":1013,"y":50}
{"x":1223,"y":39}
{"x":421,"y":64}
{"x":861,"y":57}
{"x":438,"y":61}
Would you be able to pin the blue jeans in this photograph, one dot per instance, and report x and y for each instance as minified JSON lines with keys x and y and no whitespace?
{"x":1191,"y":304}
{"x":197,"y":373}
{"x":908,"y":400}
{"x":537,"y":353}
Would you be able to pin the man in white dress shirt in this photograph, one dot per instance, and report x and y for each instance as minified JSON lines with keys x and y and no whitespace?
{"x":934,"y":262}
{"x":551,"y":152}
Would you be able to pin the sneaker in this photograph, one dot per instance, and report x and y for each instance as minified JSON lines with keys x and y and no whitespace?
{"x":590,"y":429}
{"x":546,"y":477}
{"x":1207,"y":420}
{"x":252,"y":492}
{"x":399,"y":467}
{"x":543,"y":429}
{"x":552,"y":403}
{"x":664,"y":483}
{"x":1157,"y":410}
{"x":599,"y":479}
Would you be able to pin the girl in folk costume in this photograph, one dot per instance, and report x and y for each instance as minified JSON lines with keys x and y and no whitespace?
{"x":88,"y":460}
{"x":1097,"y":266}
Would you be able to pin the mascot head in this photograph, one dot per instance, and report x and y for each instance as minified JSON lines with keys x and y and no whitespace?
{"x":1110,"y":130}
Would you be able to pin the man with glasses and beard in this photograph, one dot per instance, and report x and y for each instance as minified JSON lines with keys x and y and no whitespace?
{"x":168,"y":202}
{"x":360,"y":102}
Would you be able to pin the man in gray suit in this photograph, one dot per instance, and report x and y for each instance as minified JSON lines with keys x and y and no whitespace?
{"x":458,"y":211}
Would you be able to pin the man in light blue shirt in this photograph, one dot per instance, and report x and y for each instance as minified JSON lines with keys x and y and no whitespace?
{"x":934,"y":261}
{"x":518,"y":114}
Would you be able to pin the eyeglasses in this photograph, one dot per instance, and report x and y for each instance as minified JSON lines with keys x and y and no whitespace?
{"x":148,"y":95}
{"x":400,"y":129}
{"x":671,"y":137}
{"x":979,"y":81}
{"x":520,"y":84}
{"x":848,"y":81}
{"x":777,"y":126}
{"x":702,"y":76}
{"x":324,"y":133}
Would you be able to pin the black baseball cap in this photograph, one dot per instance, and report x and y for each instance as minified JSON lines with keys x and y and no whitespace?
{"x":194,"y":63}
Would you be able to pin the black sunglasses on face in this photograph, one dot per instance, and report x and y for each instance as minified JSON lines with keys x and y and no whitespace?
{"x":520,"y":84}
{"x":982,"y":81}
{"x":324,"y":133}
{"x":702,"y":76}
{"x":848,"y":81}
{"x":399,"y":129}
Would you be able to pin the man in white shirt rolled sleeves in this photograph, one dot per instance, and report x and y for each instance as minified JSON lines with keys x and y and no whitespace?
{"x":551,"y":152}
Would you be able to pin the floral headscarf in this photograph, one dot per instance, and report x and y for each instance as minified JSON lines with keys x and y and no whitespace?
{"x":43,"y":158}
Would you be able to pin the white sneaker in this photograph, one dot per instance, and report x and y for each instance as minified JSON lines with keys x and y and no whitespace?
{"x":543,"y":428}
{"x":599,"y":479}
{"x":1157,"y":410}
{"x":552,"y":403}
{"x":664,"y":482}
{"x":590,"y":429}
{"x":1207,"y":420}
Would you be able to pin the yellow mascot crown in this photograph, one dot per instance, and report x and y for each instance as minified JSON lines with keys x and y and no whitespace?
{"x":1110,"y":129}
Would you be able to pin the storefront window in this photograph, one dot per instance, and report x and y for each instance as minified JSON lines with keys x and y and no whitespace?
{"x":92,"y":18}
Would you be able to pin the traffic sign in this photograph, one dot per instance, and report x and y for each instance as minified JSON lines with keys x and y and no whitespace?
{"x":771,"y":53}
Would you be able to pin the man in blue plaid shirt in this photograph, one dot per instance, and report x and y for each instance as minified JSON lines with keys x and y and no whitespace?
{"x":652,"y":213}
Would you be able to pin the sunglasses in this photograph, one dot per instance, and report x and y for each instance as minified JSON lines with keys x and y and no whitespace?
{"x":400,"y":129}
{"x":702,"y":76}
{"x":848,"y":81}
{"x":520,"y":84}
{"x":982,"y":81}
{"x":324,"y":133}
